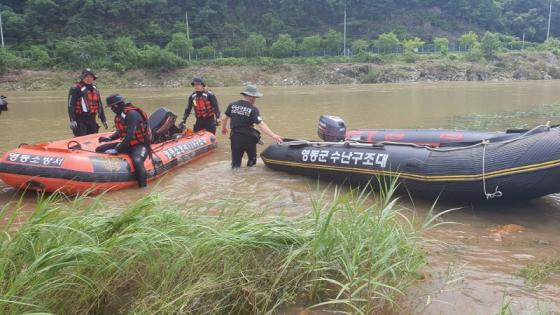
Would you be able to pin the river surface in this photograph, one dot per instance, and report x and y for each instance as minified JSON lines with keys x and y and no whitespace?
{"x":474,"y":273}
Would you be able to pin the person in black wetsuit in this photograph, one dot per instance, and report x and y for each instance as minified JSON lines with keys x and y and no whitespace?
{"x":131,"y":124}
{"x":84,"y":104}
{"x":206,"y":108}
{"x":244,"y":138}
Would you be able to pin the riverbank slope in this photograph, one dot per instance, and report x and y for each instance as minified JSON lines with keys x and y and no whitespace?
{"x":312,"y":71}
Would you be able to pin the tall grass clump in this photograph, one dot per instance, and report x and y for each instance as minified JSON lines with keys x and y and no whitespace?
{"x":354,"y":254}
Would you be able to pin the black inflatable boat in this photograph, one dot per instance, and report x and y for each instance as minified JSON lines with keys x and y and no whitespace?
{"x":520,"y":164}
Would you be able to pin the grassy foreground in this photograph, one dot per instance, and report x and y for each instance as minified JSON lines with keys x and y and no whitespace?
{"x":82,"y":257}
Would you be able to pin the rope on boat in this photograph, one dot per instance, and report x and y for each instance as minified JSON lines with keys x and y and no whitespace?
{"x":497,"y":193}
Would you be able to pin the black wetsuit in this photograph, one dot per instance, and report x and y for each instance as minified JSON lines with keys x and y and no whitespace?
{"x":207,"y":123}
{"x":244,"y":137}
{"x":86,"y":121}
{"x":138,"y":153}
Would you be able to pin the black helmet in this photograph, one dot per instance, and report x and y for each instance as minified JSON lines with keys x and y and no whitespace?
{"x":115,"y":99}
{"x":87,"y":71}
{"x":197,"y":80}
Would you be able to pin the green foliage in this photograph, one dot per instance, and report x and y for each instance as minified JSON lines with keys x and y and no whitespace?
{"x":41,"y":57}
{"x":310,"y":45}
{"x":468,"y":40}
{"x":180,"y":45}
{"x":539,"y":272}
{"x":332,"y":41}
{"x":475,"y":55}
{"x":200,"y":41}
{"x":360,"y":46}
{"x":387,"y":41}
{"x":412,"y":45}
{"x":156,"y":257}
{"x":206,"y":52}
{"x":9,"y":61}
{"x":283,"y":47}
{"x":490,"y":44}
{"x":155,"y":58}
{"x":442,"y":45}
{"x":65,"y":27}
{"x":254,"y":45}
{"x":553,"y":44}
{"x":124,"y":53}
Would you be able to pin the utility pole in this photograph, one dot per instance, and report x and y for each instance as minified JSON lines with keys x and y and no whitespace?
{"x":188,"y":37}
{"x":344,"y":51}
{"x":549,"y":17}
{"x":523,"y":44}
{"x":1,"y":30}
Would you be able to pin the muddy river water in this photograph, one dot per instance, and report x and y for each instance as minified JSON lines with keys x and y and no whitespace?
{"x":475,"y":272}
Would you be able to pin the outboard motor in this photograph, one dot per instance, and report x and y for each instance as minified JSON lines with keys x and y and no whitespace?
{"x":162,"y":122}
{"x":331,"y":128}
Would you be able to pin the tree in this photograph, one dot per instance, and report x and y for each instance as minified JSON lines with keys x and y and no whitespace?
{"x":468,"y":40}
{"x":387,"y":41}
{"x":153,"y":57}
{"x":283,"y":47}
{"x":490,"y":44}
{"x":180,"y":45}
{"x":205,"y":52}
{"x":442,"y":45}
{"x":360,"y":46}
{"x":310,"y":45}
{"x":124,"y":53}
{"x":254,"y":45}
{"x":412,"y":45}
{"x":332,"y":41}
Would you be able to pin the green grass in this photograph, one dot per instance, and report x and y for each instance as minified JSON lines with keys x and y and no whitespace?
{"x":539,"y":272}
{"x":354,"y":253}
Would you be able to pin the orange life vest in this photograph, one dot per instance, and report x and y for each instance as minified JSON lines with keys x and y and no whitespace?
{"x":89,"y":102}
{"x":142,"y":133}
{"x":202,"y":106}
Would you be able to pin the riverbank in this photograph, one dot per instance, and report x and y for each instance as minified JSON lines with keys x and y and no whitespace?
{"x":156,"y":256}
{"x":312,"y":71}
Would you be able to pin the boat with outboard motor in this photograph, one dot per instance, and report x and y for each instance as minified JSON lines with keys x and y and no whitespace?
{"x":520,"y":164}
{"x":73,"y":166}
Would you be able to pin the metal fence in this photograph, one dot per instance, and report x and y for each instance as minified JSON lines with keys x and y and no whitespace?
{"x":28,"y":56}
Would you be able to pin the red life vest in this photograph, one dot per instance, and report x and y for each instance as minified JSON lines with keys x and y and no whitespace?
{"x":142,"y":134}
{"x":202,"y":106}
{"x":89,"y":102}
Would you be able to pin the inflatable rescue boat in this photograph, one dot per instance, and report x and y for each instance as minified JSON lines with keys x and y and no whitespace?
{"x":471,"y":166}
{"x":72,"y":166}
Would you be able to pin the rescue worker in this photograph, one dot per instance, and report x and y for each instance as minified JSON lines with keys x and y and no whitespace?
{"x":132,"y":128}
{"x":244,"y":138}
{"x":84,"y":104}
{"x":206,"y":108}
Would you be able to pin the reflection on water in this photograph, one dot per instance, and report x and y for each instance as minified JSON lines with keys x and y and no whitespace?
{"x":472,"y":274}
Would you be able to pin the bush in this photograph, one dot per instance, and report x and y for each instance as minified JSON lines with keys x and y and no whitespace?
{"x":283,"y":47}
{"x":490,"y":44}
{"x":153,"y":57}
{"x":124,"y":52}
{"x":205,"y":52}
{"x":410,"y":57}
{"x":372,"y":76}
{"x":475,"y":55}
{"x":9,"y":61}
{"x":41,"y":58}
{"x":442,"y":45}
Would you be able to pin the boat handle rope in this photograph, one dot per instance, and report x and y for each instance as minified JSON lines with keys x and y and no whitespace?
{"x":497,"y":193}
